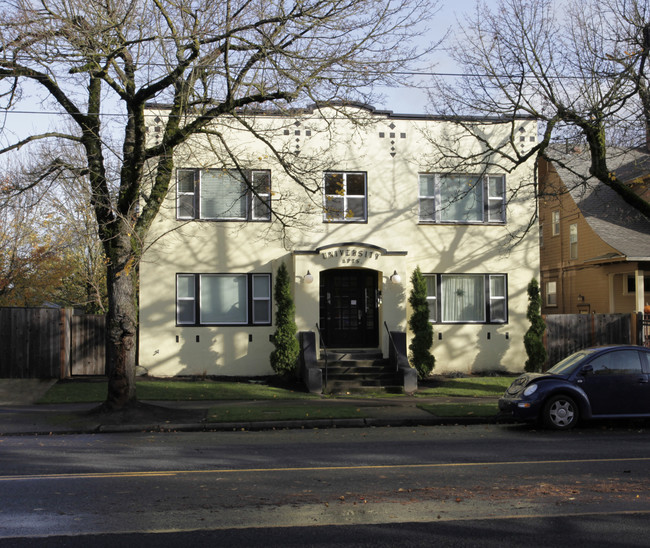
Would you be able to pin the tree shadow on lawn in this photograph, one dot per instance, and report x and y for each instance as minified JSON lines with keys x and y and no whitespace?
{"x":146,"y":413}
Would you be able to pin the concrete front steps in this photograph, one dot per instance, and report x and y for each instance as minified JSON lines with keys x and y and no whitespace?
{"x":350,"y":372}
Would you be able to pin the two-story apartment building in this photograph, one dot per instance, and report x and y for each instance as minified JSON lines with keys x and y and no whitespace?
{"x":595,"y":248}
{"x":351,"y":200}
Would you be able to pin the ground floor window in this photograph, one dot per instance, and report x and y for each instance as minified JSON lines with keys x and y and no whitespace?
{"x":467,"y":298}
{"x":223,"y":299}
{"x":551,"y":293}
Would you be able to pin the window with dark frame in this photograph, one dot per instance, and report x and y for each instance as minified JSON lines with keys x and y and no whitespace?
{"x":457,"y":198}
{"x":345,"y":197}
{"x":223,"y":195}
{"x":223,"y":299}
{"x":467,"y":298}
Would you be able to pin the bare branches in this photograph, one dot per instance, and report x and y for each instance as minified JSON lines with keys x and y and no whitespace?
{"x":580,"y":73}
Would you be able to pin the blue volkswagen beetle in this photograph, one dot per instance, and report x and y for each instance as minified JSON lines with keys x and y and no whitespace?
{"x":601,"y":382}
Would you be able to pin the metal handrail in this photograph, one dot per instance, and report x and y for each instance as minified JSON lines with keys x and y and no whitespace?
{"x":392,"y":344}
{"x":324,"y":349}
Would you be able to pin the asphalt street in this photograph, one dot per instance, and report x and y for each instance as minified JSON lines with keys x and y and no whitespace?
{"x":229,"y":482}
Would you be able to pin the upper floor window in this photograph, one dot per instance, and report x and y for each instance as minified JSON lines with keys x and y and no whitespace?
{"x":555,"y":223}
{"x":467,"y":298}
{"x":223,"y":299}
{"x":345,"y":197}
{"x":223,"y":195}
{"x":573,"y":241}
{"x":462,"y":198}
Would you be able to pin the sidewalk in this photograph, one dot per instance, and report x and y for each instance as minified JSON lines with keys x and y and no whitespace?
{"x":20,"y":416}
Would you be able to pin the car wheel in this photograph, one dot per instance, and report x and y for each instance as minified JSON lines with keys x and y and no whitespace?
{"x":560,"y":413}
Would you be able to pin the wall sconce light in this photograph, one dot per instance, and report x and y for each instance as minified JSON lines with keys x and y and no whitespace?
{"x":581,"y":298}
{"x":395,"y":278}
{"x":308,"y":277}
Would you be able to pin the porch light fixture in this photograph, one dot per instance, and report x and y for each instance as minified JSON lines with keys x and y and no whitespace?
{"x":308,"y":277}
{"x":395,"y":278}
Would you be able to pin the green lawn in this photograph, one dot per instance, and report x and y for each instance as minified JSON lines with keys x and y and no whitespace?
{"x":79,"y":391}
{"x":83,"y":391}
{"x":476,"y":387}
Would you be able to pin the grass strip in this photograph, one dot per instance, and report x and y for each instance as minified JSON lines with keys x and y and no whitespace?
{"x":460,"y":409}
{"x":476,"y":387}
{"x":283,"y":413}
{"x":172,"y":390}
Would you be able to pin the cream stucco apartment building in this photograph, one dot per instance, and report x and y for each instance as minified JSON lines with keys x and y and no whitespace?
{"x":351,"y":200}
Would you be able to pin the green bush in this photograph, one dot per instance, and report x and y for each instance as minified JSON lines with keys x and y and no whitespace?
{"x":284,"y":358}
{"x":420,"y":348}
{"x":533,"y":339}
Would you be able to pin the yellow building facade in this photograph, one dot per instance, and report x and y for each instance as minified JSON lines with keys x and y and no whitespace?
{"x":351,"y":200}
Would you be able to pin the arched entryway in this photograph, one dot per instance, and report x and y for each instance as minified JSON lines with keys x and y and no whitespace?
{"x":349,"y":308}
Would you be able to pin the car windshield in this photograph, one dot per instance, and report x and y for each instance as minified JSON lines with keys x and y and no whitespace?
{"x":568,"y":364}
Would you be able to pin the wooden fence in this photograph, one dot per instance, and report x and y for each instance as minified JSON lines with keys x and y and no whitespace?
{"x":567,"y":333}
{"x":50,"y":343}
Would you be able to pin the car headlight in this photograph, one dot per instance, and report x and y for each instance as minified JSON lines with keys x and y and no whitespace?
{"x":530,"y":389}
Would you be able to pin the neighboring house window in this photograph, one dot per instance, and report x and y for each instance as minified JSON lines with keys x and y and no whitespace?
{"x":541,"y":235}
{"x":573,"y":241}
{"x":345,"y":197}
{"x":551,"y":293}
{"x":555,"y":223}
{"x":630,"y":286}
{"x":467,"y":298}
{"x":223,"y":195}
{"x":223,"y":299}
{"x":462,"y":198}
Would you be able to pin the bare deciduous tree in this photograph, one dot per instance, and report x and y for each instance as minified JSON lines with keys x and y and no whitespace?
{"x":100,"y":62}
{"x":580,"y":68}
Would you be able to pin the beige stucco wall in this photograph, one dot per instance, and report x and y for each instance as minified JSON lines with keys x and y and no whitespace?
{"x":392,"y":165}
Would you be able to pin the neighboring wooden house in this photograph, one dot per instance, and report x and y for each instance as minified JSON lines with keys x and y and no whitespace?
{"x":376,"y":211}
{"x":595,"y":248}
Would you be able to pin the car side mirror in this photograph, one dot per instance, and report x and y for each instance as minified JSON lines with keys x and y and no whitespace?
{"x":586,"y":369}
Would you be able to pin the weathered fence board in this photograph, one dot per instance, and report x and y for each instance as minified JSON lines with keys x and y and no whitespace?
{"x":50,"y":343}
{"x":567,"y":333}
{"x":31,"y":342}
{"x":88,"y":352}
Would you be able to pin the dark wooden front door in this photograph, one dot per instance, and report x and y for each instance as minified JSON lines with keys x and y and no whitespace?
{"x":348,"y":308}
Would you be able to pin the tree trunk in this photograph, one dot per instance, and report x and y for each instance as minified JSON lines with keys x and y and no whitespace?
{"x":121,"y":324}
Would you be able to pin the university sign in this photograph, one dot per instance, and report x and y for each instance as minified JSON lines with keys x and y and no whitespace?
{"x":350,"y":255}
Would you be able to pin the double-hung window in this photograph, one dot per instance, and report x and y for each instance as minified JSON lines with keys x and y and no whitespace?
{"x":457,"y":198}
{"x":551,"y":293}
{"x":223,"y":195}
{"x":467,"y":298}
{"x":223,"y":299}
{"x":345,"y":197}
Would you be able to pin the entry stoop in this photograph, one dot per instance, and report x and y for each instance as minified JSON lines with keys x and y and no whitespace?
{"x":358,"y":371}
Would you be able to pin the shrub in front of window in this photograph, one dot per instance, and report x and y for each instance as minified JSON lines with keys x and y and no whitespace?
{"x":420,"y":348}
{"x":284,"y":358}
{"x":533,"y":339}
